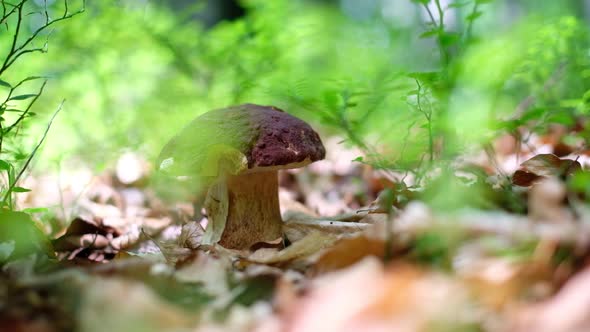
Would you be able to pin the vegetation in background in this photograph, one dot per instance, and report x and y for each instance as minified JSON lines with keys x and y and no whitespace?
{"x":27,"y":26}
{"x":419,"y":87}
{"x":410,"y":95}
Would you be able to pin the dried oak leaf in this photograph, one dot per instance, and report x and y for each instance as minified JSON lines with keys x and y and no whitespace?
{"x":568,"y":310}
{"x":87,"y":240}
{"x":348,"y":251}
{"x":367,"y":296}
{"x":542,"y":166}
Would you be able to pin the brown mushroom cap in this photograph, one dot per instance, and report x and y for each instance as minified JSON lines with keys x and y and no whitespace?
{"x":266,"y":136}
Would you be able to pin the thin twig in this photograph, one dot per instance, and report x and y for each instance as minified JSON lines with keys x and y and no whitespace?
{"x":33,"y":153}
{"x":19,"y":21}
{"x":16,"y":52}
{"x":26,"y":111}
{"x":12,"y":11}
{"x":469,"y":29}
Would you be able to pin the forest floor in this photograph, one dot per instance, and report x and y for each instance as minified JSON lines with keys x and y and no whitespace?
{"x":126,"y":260}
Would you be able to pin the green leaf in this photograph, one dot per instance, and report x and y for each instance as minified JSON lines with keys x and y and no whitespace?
{"x":36,"y":210}
{"x":23,"y":97}
{"x":425,"y":77}
{"x":5,"y":84}
{"x":423,"y":2}
{"x":20,"y":190}
{"x":20,"y":229}
{"x":4,"y":165}
{"x":561,"y":118}
{"x":458,"y":4}
{"x":473,"y":16}
{"x":359,"y":159}
{"x":20,"y":155}
{"x":580,"y":181}
{"x":30,"y":78}
{"x":430,"y":33}
{"x":332,"y":99}
{"x":449,"y":38}
{"x":570,"y":103}
{"x":483,"y":2}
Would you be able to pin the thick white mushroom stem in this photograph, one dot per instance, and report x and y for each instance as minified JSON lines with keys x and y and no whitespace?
{"x":253,"y":213}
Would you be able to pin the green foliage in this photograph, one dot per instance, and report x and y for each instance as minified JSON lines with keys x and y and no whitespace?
{"x":25,"y":23}
{"x":411,"y":95}
{"x":437,"y":247}
{"x":449,"y":192}
{"x":20,"y":237}
{"x":190,"y":296}
{"x":580,"y":183}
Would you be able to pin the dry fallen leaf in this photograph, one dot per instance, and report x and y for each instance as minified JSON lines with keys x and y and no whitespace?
{"x":299,"y":251}
{"x":369,"y":297}
{"x":567,"y":311}
{"x":541,"y":166}
{"x":348,"y":251}
{"x":295,"y":229}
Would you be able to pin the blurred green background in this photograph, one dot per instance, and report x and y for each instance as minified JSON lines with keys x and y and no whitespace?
{"x":378,"y":73}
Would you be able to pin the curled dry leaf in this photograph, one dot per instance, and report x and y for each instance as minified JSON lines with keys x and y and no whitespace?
{"x":296,"y":229}
{"x":87,"y":240}
{"x":299,"y":251}
{"x":542,"y":166}
{"x":191,"y":235}
{"x":348,"y":251}
{"x":524,"y":178}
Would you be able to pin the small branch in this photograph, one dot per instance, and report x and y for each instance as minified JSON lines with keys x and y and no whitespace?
{"x":432,"y":19}
{"x":19,"y":9}
{"x":441,"y":13}
{"x":428,"y":116}
{"x":469,"y":29}
{"x":26,"y":111}
{"x":16,"y":52}
{"x":12,"y":11}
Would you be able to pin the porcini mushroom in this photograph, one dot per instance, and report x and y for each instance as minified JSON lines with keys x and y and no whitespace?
{"x":238,"y":151}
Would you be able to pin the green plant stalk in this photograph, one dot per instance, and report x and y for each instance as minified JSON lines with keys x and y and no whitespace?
{"x":428,"y":116}
{"x":469,"y":29}
{"x":444,"y":54}
{"x":33,"y":153}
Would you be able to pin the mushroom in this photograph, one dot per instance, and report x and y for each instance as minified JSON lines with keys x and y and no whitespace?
{"x":237,"y":152}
